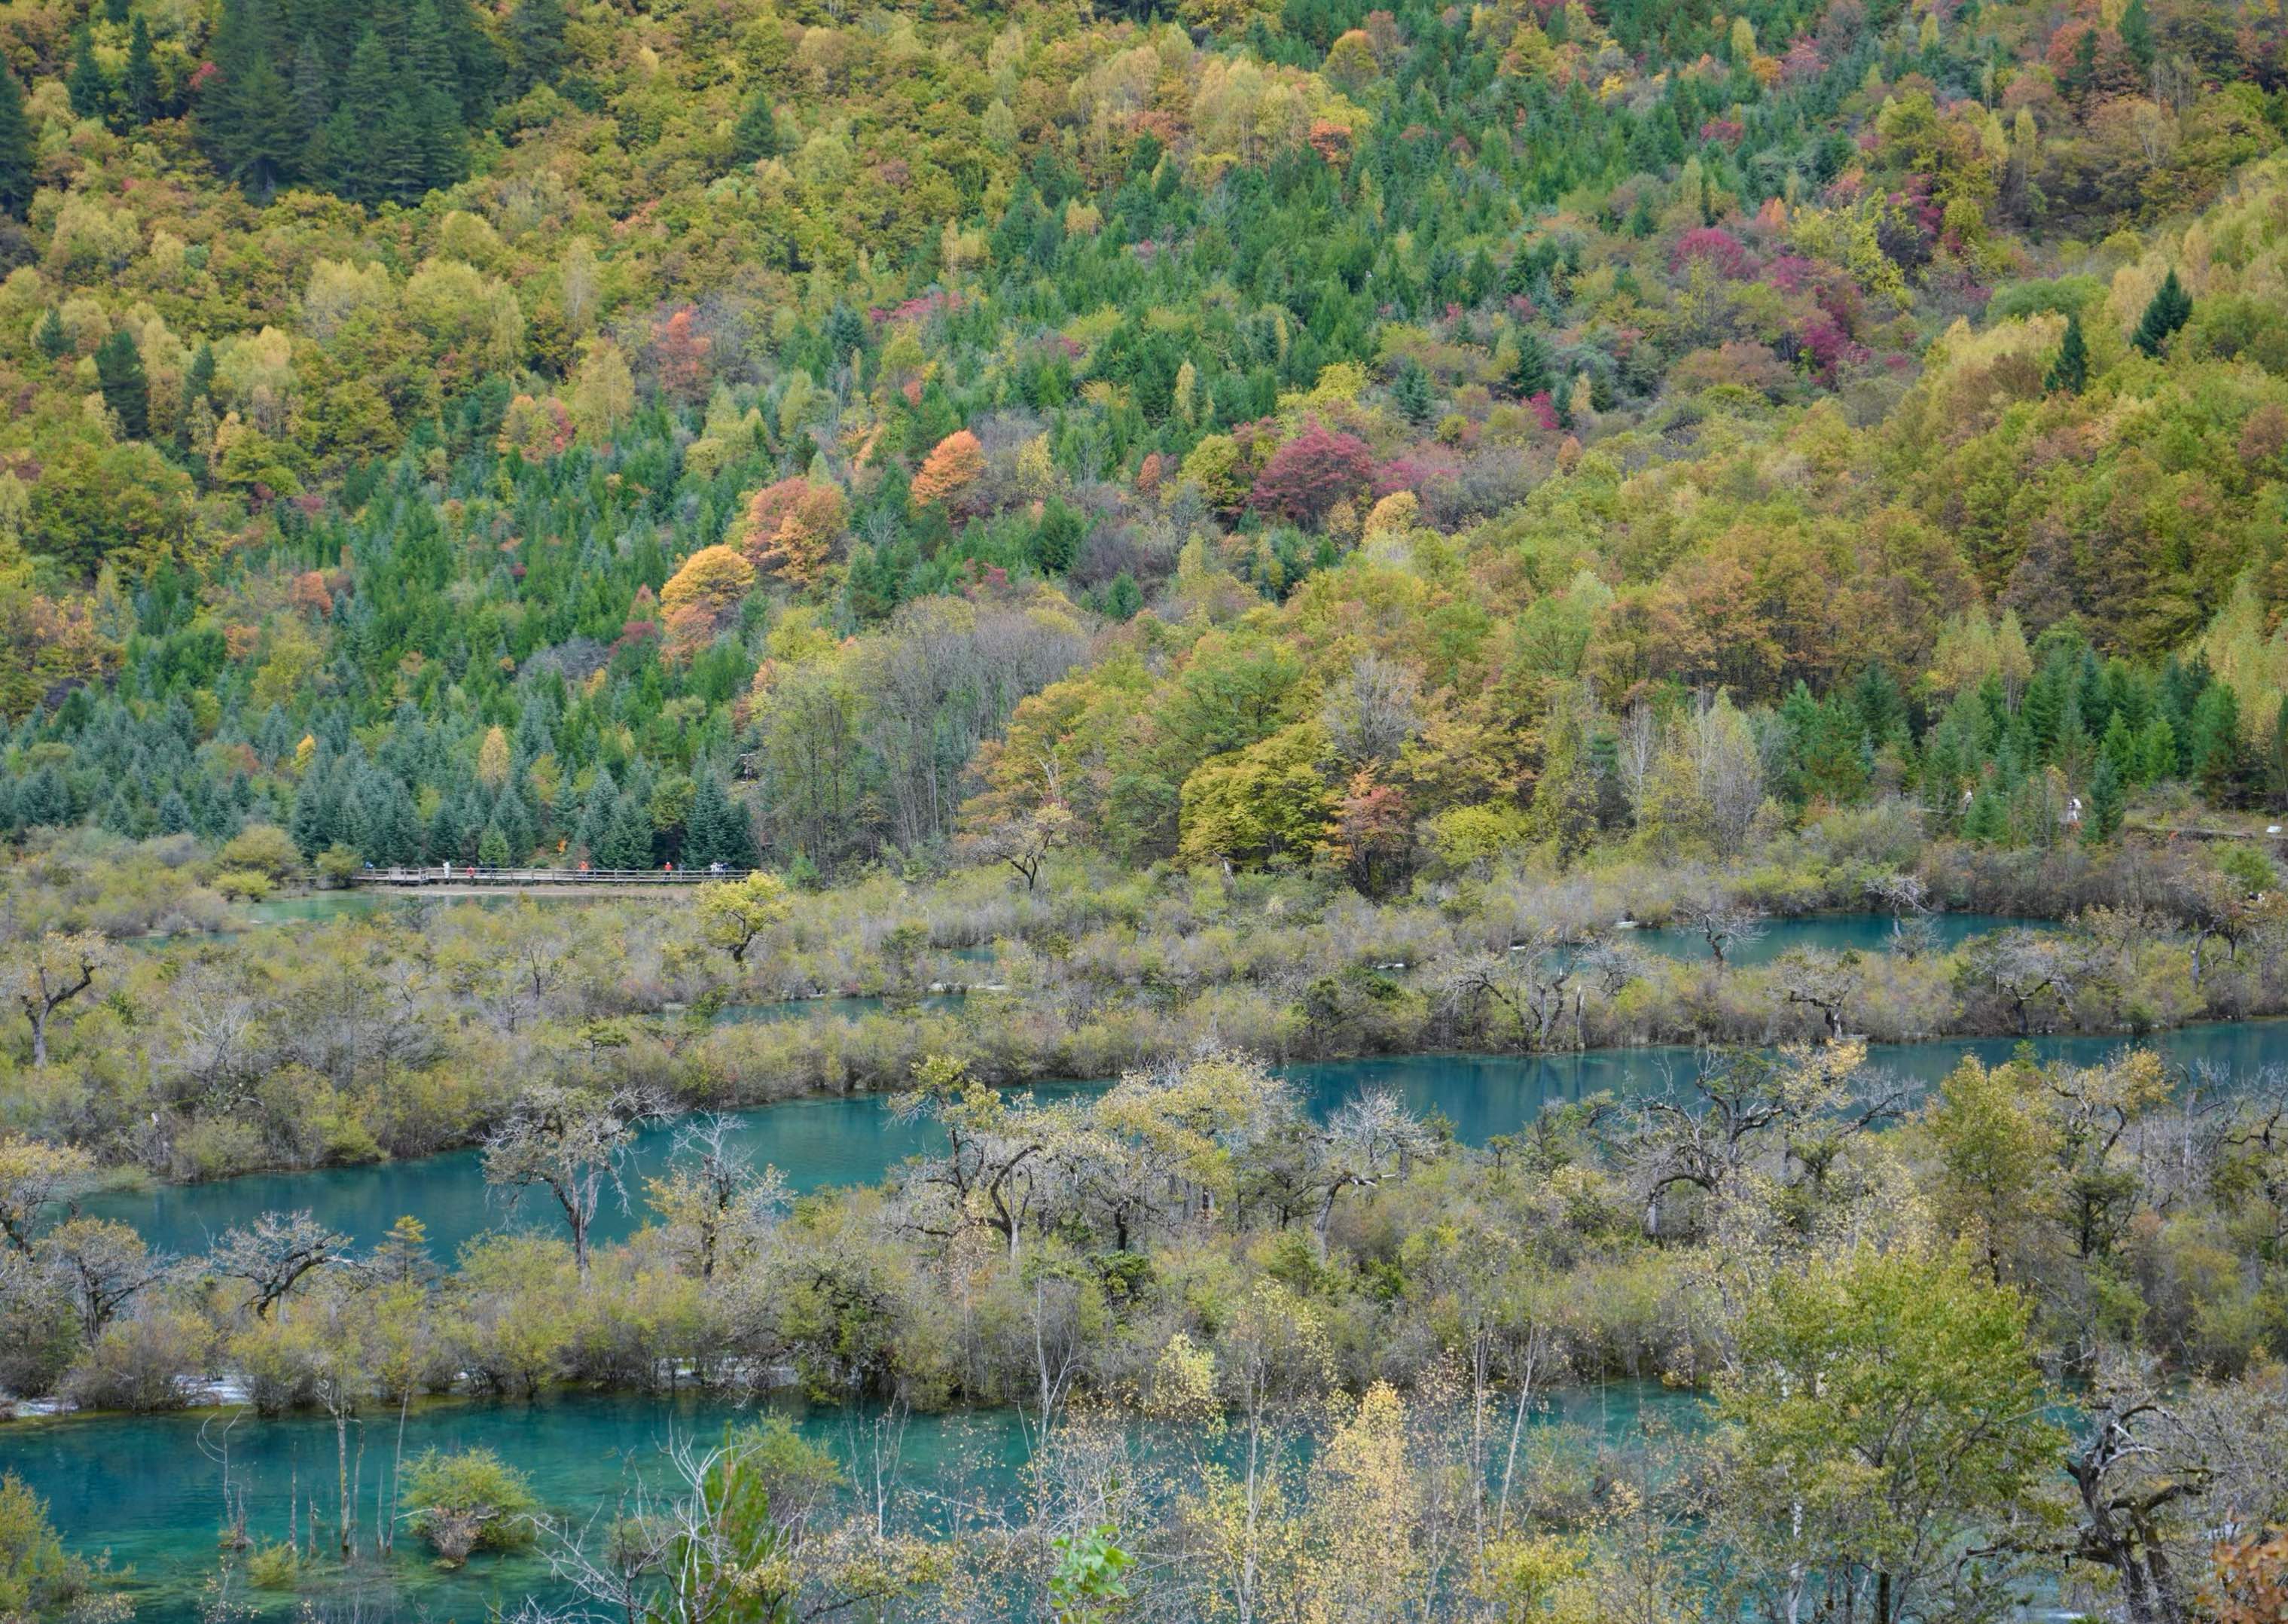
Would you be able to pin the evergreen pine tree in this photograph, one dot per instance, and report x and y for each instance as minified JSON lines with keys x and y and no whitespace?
{"x":2217,"y":752}
{"x":2136,"y":31}
{"x":596,"y":814}
{"x":2069,"y":373}
{"x":359,"y":135}
{"x":1056,"y":543}
{"x":405,"y":831}
{"x":627,"y":841}
{"x":126,"y":388}
{"x":2171,"y":308}
{"x":2100,"y":819}
{"x":316,"y":822}
{"x":756,"y":133}
{"x":445,"y":833}
{"x":514,"y":823}
{"x":1988,"y":821}
{"x":2119,"y":747}
{"x":1882,"y":709}
{"x":263,"y":150}
{"x":429,"y":141}
{"x":17,"y":151}
{"x":55,"y":343}
{"x":702,"y":825}
{"x":1534,"y":372}
{"x":2275,"y":759}
{"x":198,"y":383}
{"x":309,"y":88}
{"x":87,"y":84}
{"x":736,"y":848}
{"x":141,"y":89}
{"x":1410,"y":391}
{"x":2080,"y":76}
{"x":493,"y":848}
{"x":536,"y":37}
{"x":2157,"y":752}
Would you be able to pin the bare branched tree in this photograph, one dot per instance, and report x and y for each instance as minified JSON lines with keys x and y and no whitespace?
{"x":571,"y":1142}
{"x":273,"y":1253}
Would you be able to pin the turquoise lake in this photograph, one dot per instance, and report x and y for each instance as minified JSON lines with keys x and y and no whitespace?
{"x":149,"y":1489}
{"x":145,"y":1488}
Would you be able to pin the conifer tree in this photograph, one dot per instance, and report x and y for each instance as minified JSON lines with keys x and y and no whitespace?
{"x":357,"y":136}
{"x":245,"y":114}
{"x":426,"y":140}
{"x":1534,"y":372}
{"x":2275,"y":759}
{"x":141,"y":89}
{"x":16,"y":152}
{"x":2069,"y":373}
{"x":126,"y":388}
{"x":2216,"y":751}
{"x":535,"y":36}
{"x":2170,"y":309}
{"x":54,"y":342}
{"x":1056,"y":544}
{"x":627,"y":839}
{"x":309,"y":88}
{"x":2136,"y":31}
{"x":596,"y":813}
{"x":1410,"y":391}
{"x":2101,"y":817}
{"x":756,"y":135}
{"x":88,"y":86}
{"x":492,"y":848}
{"x":198,"y":383}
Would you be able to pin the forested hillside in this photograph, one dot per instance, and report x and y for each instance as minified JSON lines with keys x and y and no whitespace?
{"x":1511,"y":774}
{"x":1243,"y":434}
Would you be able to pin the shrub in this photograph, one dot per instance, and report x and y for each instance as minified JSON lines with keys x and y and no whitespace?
{"x":467,"y":1502}
{"x":243,"y":884}
{"x":263,"y":848}
{"x":143,"y":1364}
{"x":273,"y":1567}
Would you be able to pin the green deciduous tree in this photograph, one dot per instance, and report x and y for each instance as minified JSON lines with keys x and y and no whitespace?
{"x":1884,"y":1416}
{"x":734,"y":913}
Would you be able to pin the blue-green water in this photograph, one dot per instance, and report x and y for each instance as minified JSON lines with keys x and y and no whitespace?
{"x":149,"y":1489}
{"x":143,"y":1487}
{"x":818,"y":1142}
{"x":1834,"y":932}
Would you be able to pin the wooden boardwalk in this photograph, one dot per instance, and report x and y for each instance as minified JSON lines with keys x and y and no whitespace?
{"x":461,"y":876}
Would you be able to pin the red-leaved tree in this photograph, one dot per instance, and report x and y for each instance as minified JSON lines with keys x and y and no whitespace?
{"x":1312,"y":472}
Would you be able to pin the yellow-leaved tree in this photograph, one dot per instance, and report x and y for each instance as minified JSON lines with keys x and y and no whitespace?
{"x":791,"y":529}
{"x":700,"y":598}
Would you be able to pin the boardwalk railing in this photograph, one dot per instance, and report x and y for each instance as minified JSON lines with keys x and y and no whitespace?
{"x":462,"y":874}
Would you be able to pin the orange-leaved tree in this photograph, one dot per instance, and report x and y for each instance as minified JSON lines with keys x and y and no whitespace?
{"x":950,"y":472}
{"x":791,"y":529}
{"x":700,"y":598}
